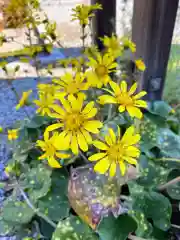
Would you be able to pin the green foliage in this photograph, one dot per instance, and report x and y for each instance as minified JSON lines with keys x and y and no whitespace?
{"x":111,"y":228}
{"x":19,"y":209}
{"x":172,"y":89}
{"x":39,"y":197}
{"x":174,"y":190}
{"x":73,"y":228}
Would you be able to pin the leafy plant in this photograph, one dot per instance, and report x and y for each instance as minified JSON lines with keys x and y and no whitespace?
{"x":96,"y":161}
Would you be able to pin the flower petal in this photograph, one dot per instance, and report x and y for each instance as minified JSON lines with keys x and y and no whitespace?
{"x":123,"y":86}
{"x":46,"y":135}
{"x":115,"y":87}
{"x":134,"y":139}
{"x":54,"y":127}
{"x":141,"y":103}
{"x":82,"y":142}
{"x":54,"y":163}
{"x":128,"y":134}
{"x":112,"y":170}
{"x":74,"y":144}
{"x":87,"y":136}
{"x":102,"y":166}
{"x":97,"y":156}
{"x":134,"y":112}
{"x":100,"y":145}
{"x":130,"y":160}
{"x":133,"y":151}
{"x":62,"y":141}
{"x":62,"y":155}
{"x":133,"y":89}
{"x":140,"y":95}
{"x":122,"y":167}
{"x":88,"y":108}
{"x":112,"y":135}
{"x":104,"y":99}
{"x":121,"y":108}
{"x":58,"y":109}
{"x":92,"y":126}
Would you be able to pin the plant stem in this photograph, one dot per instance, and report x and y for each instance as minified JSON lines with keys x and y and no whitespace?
{"x":35,"y":210}
{"x":83,"y":156}
{"x":169,"y":159}
{"x":17,"y":97}
{"x":166,"y":185}
{"x":109,"y":112}
{"x":132,"y":237}
{"x":175,"y":226}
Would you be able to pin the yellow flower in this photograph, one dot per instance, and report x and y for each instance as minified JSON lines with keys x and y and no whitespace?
{"x":172,"y":111}
{"x":113,"y":46}
{"x":116,"y":151}
{"x":71,"y":84}
{"x":127,"y":43}
{"x":100,"y":69}
{"x":84,"y":12}
{"x":44,"y":103}
{"x":140,"y":65}
{"x":23,"y":100}
{"x":47,"y":89}
{"x":125,"y":99}
{"x":51,"y":147}
{"x":1,"y":129}
{"x":12,"y":134}
{"x":77,"y":122}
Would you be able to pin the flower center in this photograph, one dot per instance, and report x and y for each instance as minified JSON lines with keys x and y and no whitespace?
{"x":101,"y":70}
{"x":124,"y":99}
{"x":73,"y":121}
{"x":50,"y":149}
{"x":116,"y":152}
{"x":114,"y":44}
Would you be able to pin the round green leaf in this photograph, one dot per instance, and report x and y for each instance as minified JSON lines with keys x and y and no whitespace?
{"x":144,"y":228}
{"x":174,"y":189}
{"x":16,"y":212}
{"x":111,"y":228}
{"x":73,"y":228}
{"x":37,"y":182}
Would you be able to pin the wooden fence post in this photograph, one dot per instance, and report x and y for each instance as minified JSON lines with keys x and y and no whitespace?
{"x":152,"y":31}
{"x":105,"y":21}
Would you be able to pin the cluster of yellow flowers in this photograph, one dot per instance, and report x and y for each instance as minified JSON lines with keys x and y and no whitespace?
{"x":69,"y":101}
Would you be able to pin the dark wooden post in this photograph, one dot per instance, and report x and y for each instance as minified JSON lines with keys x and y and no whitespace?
{"x":105,"y":21}
{"x":152,"y":30}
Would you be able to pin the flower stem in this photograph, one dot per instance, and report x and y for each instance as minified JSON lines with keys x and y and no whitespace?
{"x":35,"y":210}
{"x":83,"y":156}
{"x":169,"y":159}
{"x":166,"y":185}
{"x":17,"y":97}
{"x":132,"y":237}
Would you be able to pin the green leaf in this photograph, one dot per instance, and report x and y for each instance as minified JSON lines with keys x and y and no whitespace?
{"x":155,"y":206}
{"x":160,"y":108}
{"x":73,"y":228}
{"x":148,"y":131}
{"x":37,"y":122}
{"x":55,"y":204}
{"x":152,"y":174}
{"x":16,"y":212}
{"x":144,"y":228}
{"x":174,"y":189}
{"x":37,"y":182}
{"x":111,"y":228}
{"x":169,"y":143}
{"x":5,"y":228}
